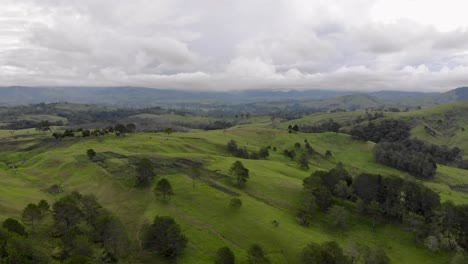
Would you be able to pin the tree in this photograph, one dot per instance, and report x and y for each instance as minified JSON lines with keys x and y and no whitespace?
{"x":165,"y":237}
{"x":91,"y":154}
{"x":326,"y":253}
{"x":43,"y":206}
{"x":130,"y":128}
{"x":240,"y":173}
{"x":303,"y":162}
{"x":163,"y":188}
{"x":168,"y":130}
{"x":323,"y":198}
{"x":31,"y":214}
{"x":256,"y":255}
{"x":376,"y":256}
{"x":339,"y":216}
{"x":432,"y":243}
{"x":235,"y":203}
{"x":328,"y":154}
{"x":342,"y":190}
{"x":374,"y":210}
{"x":144,"y":172}
{"x":352,"y":251}
{"x":224,"y":255}
{"x":195,"y":175}
{"x":14,"y":226}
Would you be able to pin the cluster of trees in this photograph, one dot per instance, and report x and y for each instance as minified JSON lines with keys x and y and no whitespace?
{"x":368,"y":117}
{"x":397,"y":155}
{"x":43,"y":125}
{"x":397,"y":150}
{"x":389,"y":130}
{"x":331,"y":252}
{"x":328,"y":126}
{"x":82,"y":225}
{"x":241,"y":152}
{"x":255,"y":255}
{"x":415,"y":156}
{"x":390,"y":198}
{"x":118,"y":130}
{"x":16,"y":247}
{"x":84,"y":231}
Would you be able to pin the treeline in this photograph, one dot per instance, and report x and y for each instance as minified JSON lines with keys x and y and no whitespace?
{"x":389,"y":130}
{"x":397,"y":150}
{"x":396,"y":155}
{"x":241,"y":152}
{"x":444,"y":225}
{"x":328,"y":126}
{"x":118,"y":130}
{"x":25,"y":124}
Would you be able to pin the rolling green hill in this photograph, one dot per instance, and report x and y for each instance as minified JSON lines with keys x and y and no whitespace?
{"x":273,"y":193}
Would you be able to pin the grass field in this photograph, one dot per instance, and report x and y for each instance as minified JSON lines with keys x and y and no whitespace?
{"x":273,"y":192}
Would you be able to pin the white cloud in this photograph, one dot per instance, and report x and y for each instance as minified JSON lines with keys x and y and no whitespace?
{"x":222,"y":44}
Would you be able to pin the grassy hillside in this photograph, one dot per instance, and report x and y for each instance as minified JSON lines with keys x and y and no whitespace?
{"x":274,"y":191}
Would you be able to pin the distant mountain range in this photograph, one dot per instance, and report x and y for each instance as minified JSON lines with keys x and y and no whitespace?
{"x":146,"y":97}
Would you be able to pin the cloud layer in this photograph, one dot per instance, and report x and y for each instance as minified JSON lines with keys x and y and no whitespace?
{"x":233,"y":45}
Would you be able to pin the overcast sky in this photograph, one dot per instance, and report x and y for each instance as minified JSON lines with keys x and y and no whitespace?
{"x":417,"y":45}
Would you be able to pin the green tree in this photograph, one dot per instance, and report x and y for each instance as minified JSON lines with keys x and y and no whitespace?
{"x":240,"y":173}
{"x":326,"y":253}
{"x":375,"y":210}
{"x":195,"y":175}
{"x":376,"y":256}
{"x":165,"y":237}
{"x":339,"y":216}
{"x":43,"y":206}
{"x":303,"y":162}
{"x":145,"y":172}
{"x":14,"y":226}
{"x":91,"y":154}
{"x":168,"y":130}
{"x":31,"y":215}
{"x":432,"y":243}
{"x":235,"y":203}
{"x":163,"y":188}
{"x":224,"y":255}
{"x":328,"y":154}
{"x":256,"y":255}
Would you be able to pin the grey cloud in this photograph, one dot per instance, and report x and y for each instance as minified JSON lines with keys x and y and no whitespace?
{"x":222,"y":44}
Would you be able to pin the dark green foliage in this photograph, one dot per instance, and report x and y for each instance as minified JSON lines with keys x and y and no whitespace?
{"x":326,"y":253}
{"x":339,"y":216}
{"x":91,"y":154}
{"x":328,"y":154}
{"x":163,"y":188}
{"x":130,"y":128}
{"x":376,"y":256}
{"x":256,"y":255}
{"x":18,"y":249}
{"x":145,"y":172}
{"x":328,"y":126}
{"x":120,"y":128}
{"x":289,"y":154}
{"x":323,"y":198}
{"x":80,"y":221}
{"x":14,"y":226}
{"x":263,"y":153}
{"x":85,"y":133}
{"x":165,"y":237}
{"x":389,"y":130}
{"x":396,"y":155}
{"x":31,"y":215}
{"x":235,"y":203}
{"x":303,"y":162}
{"x":43,"y":206}
{"x":297,"y":145}
{"x":224,"y":255}
{"x":240,"y":173}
